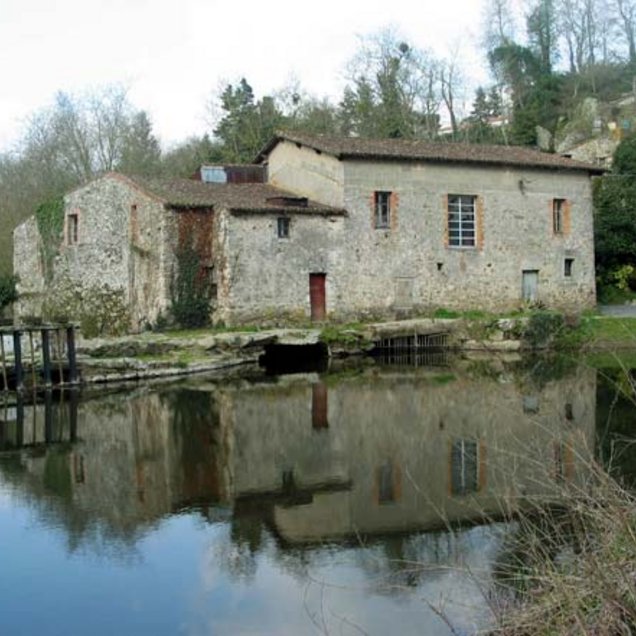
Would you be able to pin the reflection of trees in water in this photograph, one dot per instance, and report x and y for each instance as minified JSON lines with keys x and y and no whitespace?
{"x":168,"y":450}
{"x":139,"y":457}
{"x":50,"y":496}
{"x":616,"y":401}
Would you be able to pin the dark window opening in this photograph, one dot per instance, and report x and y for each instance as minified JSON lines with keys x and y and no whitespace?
{"x":567,"y":266}
{"x":461,"y":220}
{"x":439,"y":266}
{"x":72,"y":229}
{"x":382,"y":210}
{"x":386,"y":484}
{"x":464,"y":467}
{"x":558,"y":209}
{"x":283,"y":227}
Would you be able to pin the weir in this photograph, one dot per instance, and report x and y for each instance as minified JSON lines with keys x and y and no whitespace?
{"x":37,"y":357}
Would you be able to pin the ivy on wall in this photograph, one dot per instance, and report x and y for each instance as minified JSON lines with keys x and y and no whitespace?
{"x":8,"y":292}
{"x":190,"y":291}
{"x":50,"y":220}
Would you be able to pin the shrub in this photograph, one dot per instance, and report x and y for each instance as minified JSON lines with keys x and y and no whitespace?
{"x":8,"y":291}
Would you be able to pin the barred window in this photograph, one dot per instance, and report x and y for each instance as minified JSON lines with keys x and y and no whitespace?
{"x":461,"y":220}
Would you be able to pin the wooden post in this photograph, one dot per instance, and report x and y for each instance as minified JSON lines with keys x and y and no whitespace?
{"x":34,"y":382}
{"x":19,"y":415}
{"x":73,"y":404}
{"x":17,"y":353}
{"x":58,"y":346}
{"x":46,"y":356}
{"x":72,"y":359}
{"x":48,"y":416}
{"x":19,"y":436}
{"x":5,"y":380}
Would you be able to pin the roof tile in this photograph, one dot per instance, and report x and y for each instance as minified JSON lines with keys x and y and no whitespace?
{"x":439,"y":152}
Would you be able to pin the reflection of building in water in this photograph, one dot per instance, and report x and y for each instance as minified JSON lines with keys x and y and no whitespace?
{"x":380,"y":452}
{"x":416,"y":453}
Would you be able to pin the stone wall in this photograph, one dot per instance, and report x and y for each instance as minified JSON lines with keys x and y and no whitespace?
{"x":265,"y":278}
{"x":516,"y":235}
{"x":109,"y":272}
{"x":28,"y":266}
{"x":315,"y":175}
{"x":408,"y":267}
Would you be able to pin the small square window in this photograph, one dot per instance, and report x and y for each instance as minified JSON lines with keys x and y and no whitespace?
{"x":568,"y":264}
{"x":558,"y":216}
{"x":382,"y":207}
{"x":283,"y":227}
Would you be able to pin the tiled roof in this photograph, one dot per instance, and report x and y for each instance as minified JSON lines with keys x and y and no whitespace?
{"x":237,"y":197}
{"x":438,"y":152}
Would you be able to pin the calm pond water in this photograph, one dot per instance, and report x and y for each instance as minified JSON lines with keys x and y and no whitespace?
{"x":369,"y":501}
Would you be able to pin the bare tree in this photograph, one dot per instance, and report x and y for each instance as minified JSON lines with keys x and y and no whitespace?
{"x":627,"y":13}
{"x":452,"y":85}
{"x":392,"y":87}
{"x":499,"y":24}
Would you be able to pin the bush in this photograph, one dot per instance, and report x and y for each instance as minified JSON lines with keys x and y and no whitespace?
{"x":542,"y":328}
{"x":571,"y":568}
{"x":8,"y":291}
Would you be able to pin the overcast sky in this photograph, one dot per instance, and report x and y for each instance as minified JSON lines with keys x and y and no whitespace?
{"x":172,"y":55}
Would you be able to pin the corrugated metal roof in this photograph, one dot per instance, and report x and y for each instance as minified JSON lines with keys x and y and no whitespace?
{"x":427,"y":151}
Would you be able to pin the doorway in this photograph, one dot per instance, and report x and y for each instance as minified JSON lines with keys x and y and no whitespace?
{"x":318,"y":296}
{"x":529,"y":285}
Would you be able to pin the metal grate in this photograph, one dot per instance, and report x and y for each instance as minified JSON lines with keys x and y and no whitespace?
{"x":431,"y":358}
{"x":415,"y":342}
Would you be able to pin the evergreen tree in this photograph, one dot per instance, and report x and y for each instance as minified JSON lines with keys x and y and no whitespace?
{"x":141,"y":153}
{"x":615,"y":214}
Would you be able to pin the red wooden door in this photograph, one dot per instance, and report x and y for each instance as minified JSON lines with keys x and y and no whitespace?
{"x":317,"y":296}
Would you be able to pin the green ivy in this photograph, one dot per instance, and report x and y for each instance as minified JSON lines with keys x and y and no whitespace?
{"x":50,"y":220}
{"x":190,"y":289}
{"x":8,"y":291}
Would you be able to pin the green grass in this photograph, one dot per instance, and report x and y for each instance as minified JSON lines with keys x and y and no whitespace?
{"x":347,"y":334}
{"x":612,"y":330}
{"x":203,"y":331}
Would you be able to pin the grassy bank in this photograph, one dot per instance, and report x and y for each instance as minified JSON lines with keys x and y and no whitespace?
{"x":572,"y":569}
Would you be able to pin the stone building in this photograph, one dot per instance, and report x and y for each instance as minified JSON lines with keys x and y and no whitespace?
{"x":341,"y":228}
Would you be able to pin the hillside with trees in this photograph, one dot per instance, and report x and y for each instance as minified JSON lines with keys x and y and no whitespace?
{"x":563,"y":77}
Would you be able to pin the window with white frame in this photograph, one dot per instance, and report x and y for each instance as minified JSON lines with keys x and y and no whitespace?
{"x":382,"y":206}
{"x":461,"y":220}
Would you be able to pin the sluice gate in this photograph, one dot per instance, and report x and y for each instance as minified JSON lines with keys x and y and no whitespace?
{"x":37,"y":357}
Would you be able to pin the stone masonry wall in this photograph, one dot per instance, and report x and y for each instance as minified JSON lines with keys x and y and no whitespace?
{"x":263,"y":277}
{"x":515,"y":233}
{"x":317,"y":176}
{"x":108,"y":273}
{"x":409,"y":267}
{"x":29,"y":268}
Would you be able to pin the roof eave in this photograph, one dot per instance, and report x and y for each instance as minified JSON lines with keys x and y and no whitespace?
{"x":592,"y":170}
{"x":289,"y":210}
